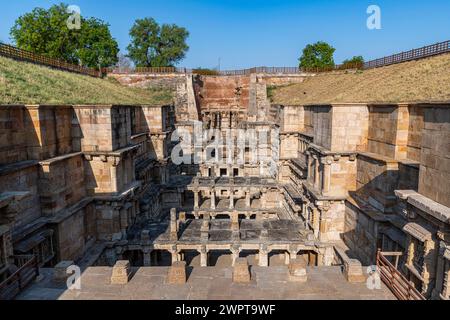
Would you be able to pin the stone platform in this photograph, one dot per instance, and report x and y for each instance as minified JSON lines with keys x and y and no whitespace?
{"x":149,"y":283}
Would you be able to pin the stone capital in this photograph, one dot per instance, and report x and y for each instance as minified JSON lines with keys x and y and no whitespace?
{"x":326,"y":160}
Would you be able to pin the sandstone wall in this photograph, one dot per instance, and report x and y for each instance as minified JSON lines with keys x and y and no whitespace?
{"x":388,"y":131}
{"x":377,"y":178}
{"x":321,"y":123}
{"x":34,"y":133}
{"x":25,"y":179}
{"x":333,"y":222}
{"x":360,"y":234}
{"x":155,"y":80}
{"x":415,"y":128}
{"x":434,"y":173}
{"x":74,"y":233}
{"x":288,"y":146}
{"x":293,"y":118}
{"x":282,"y":79}
{"x":153,"y":119}
{"x":339,"y":127}
{"x":105,"y":128}
{"x":343,"y":176}
{"x":61,"y":182}
{"x":222,"y":92}
{"x":350,"y":126}
{"x":13,"y":136}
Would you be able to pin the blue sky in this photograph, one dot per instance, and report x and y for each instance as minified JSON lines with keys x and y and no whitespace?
{"x":251,"y":33}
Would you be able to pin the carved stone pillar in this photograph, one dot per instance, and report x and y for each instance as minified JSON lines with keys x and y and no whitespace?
{"x":196,"y":199}
{"x":326,"y":174}
{"x":173,"y":225}
{"x":316,"y":221}
{"x":235,"y":250}
{"x":316,"y":173}
{"x":173,"y":251}
{"x":213,"y":199}
{"x":247,"y":198}
{"x":309,"y":172}
{"x":263,"y":256}
{"x":293,"y":252}
{"x":203,"y":257}
{"x":147,"y":258}
{"x":231,"y":199}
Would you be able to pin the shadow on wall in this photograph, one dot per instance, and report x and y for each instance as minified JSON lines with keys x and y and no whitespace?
{"x":366,"y":225}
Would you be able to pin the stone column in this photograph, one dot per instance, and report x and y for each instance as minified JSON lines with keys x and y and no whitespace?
{"x":147,"y":258}
{"x":204,"y":229}
{"x":196,"y":199}
{"x":323,"y":221}
{"x":263,"y":256}
{"x":247,"y":198}
{"x":286,"y":258}
{"x":325,"y":256}
{"x":235,"y":250}
{"x":316,"y":173}
{"x":410,"y":250}
{"x":203,"y":257}
{"x":446,"y":281}
{"x":231,"y":199}
{"x":309,"y":172}
{"x":292,"y":252}
{"x":213,"y":198}
{"x":174,"y":253}
{"x":326,"y":174}
{"x":429,"y":266}
{"x":316,"y":221}
{"x":173,"y":225}
{"x":235,"y":234}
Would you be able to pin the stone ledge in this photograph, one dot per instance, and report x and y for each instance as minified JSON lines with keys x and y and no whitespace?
{"x":425,"y":204}
{"x":54,"y":160}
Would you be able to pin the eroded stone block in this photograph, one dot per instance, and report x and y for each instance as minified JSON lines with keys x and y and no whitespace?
{"x":241,"y":271}
{"x":297,"y":270}
{"x":177,"y":273}
{"x":121,"y":272}
{"x":353,"y":271}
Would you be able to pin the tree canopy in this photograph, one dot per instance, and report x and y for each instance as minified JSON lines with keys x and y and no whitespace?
{"x":355,"y":62}
{"x":46,"y":32}
{"x":153,"y":45}
{"x":317,"y":55}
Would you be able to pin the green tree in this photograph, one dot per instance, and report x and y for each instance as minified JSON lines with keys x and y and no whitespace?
{"x":317,"y":55}
{"x":153,"y":45}
{"x":46,"y":32}
{"x":355,"y":62}
{"x":96,"y":46}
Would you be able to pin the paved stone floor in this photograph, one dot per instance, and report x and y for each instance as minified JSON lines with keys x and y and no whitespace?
{"x":207,"y":283}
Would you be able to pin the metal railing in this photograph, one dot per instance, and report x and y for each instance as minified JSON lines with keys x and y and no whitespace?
{"x":16,"y":282}
{"x":419,"y":53}
{"x":394,"y":280}
{"x":424,"y":52}
{"x":28,"y":56}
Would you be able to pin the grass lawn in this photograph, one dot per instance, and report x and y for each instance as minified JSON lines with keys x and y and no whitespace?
{"x":425,"y":80}
{"x":26,"y":83}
